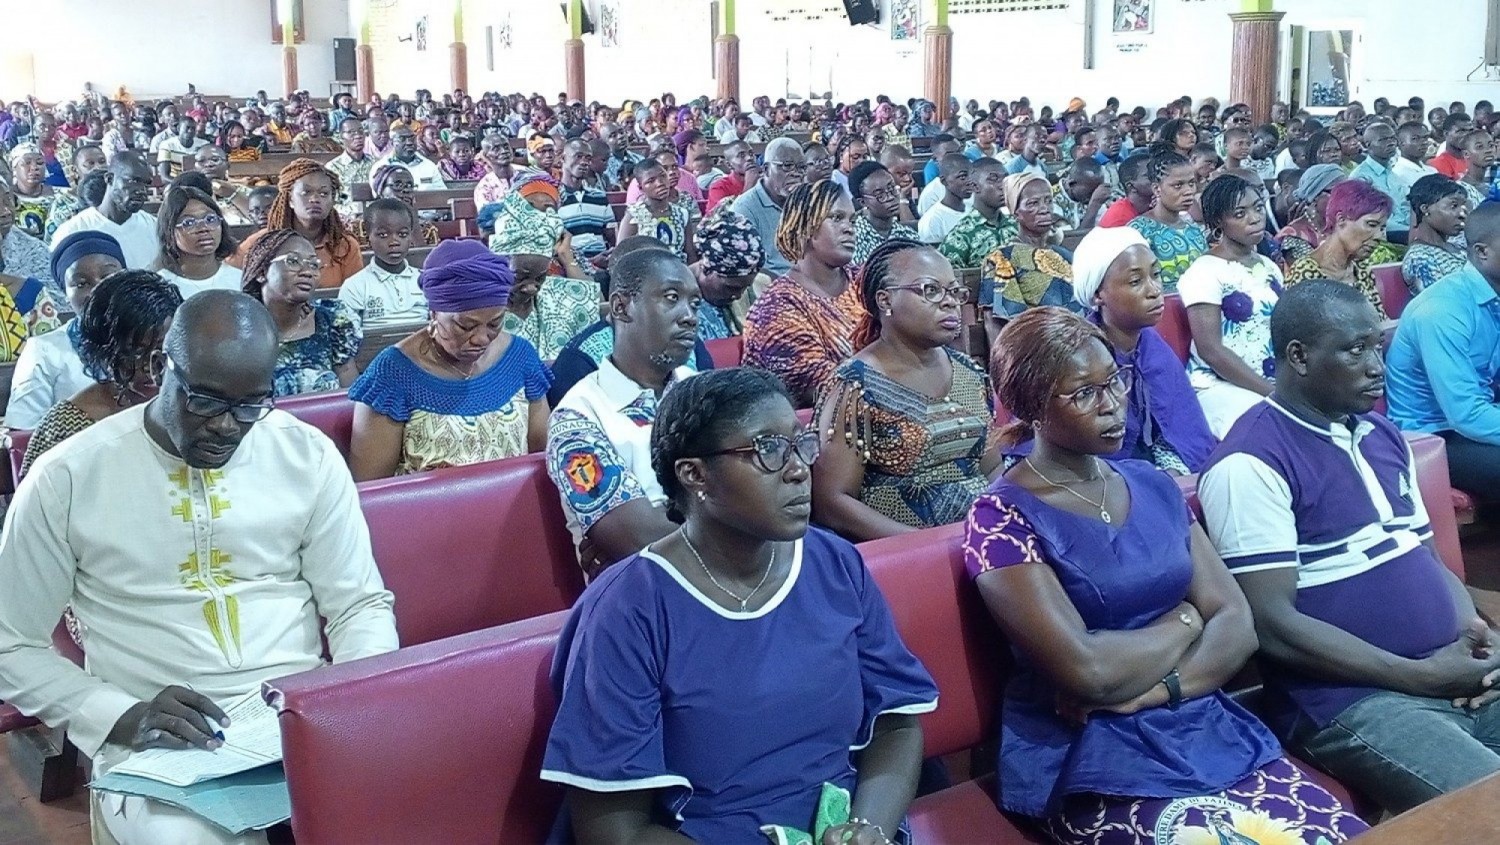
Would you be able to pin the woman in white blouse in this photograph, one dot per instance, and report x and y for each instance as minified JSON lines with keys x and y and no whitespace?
{"x":49,"y":369}
{"x":194,"y":239}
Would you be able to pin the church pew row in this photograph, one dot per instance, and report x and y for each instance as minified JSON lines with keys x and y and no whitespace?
{"x":345,"y":728}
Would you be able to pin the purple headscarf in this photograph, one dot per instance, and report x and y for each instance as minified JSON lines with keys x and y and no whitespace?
{"x":463,"y":275}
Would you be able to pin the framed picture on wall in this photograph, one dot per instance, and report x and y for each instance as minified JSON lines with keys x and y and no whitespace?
{"x":1134,"y":16}
{"x":906,"y":20}
{"x":1328,"y":61}
{"x":299,"y":23}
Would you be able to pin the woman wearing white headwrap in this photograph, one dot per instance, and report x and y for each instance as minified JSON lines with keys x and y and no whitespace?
{"x":1117,"y":277}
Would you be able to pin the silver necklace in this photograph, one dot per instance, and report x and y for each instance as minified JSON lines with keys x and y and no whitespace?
{"x":744,"y":602}
{"x":1102,"y":504}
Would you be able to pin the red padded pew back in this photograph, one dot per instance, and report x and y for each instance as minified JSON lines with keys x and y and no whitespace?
{"x":944,"y":622}
{"x":331,"y":413}
{"x":726,"y":351}
{"x":471,"y":547}
{"x":1173,"y":326}
{"x":1394,"y":293}
{"x":1431,"y":456}
{"x":439,"y":742}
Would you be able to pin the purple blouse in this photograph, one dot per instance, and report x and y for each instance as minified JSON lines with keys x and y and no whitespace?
{"x":1119,"y":578}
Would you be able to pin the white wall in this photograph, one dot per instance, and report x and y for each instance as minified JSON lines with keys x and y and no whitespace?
{"x":223,"y":46}
{"x":156,"y":47}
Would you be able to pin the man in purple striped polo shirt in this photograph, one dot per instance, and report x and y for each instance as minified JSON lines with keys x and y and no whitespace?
{"x":1377,"y":666}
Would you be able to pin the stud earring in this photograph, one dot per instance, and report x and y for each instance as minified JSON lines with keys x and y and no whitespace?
{"x":887,"y":312}
{"x":702,"y":496}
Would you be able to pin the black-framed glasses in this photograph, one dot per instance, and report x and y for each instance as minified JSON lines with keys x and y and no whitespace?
{"x":210,"y":407}
{"x":886,"y":193}
{"x":771,"y":452}
{"x":1090,"y":396}
{"x":794,"y":167}
{"x":934,"y":292}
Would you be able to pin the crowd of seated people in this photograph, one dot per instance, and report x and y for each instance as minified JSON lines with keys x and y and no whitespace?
{"x":580,"y":325}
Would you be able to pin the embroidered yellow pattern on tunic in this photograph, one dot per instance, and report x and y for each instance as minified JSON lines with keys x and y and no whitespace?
{"x":206,"y":569}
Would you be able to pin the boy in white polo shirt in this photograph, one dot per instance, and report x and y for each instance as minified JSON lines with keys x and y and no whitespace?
{"x":385,"y":292}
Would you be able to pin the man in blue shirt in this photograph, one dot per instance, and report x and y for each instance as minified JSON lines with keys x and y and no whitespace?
{"x":1444,"y":362}
{"x":1377,"y":169}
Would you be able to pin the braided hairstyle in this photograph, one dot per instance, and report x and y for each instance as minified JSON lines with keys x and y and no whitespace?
{"x":1219,"y":199}
{"x":697,"y":415}
{"x":121,"y":323}
{"x":803,"y":212}
{"x":280,"y":216}
{"x":1029,"y":359}
{"x":873,"y":278}
{"x":1163,"y":160}
{"x":258,"y":258}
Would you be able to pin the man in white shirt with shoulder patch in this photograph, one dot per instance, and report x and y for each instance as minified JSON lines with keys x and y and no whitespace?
{"x":599,"y":439}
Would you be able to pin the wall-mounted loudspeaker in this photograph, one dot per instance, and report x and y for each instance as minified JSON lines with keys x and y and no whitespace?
{"x":862,"y":11}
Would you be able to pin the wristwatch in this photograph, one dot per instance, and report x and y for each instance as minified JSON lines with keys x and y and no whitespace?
{"x":1173,"y":683}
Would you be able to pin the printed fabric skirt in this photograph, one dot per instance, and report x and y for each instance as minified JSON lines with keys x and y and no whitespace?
{"x":1276,"y":805}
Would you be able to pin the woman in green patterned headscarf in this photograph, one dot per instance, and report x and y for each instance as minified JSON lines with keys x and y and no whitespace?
{"x":547,"y":308}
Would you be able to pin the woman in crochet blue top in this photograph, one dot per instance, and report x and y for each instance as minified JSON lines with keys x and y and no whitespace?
{"x":459,"y":391}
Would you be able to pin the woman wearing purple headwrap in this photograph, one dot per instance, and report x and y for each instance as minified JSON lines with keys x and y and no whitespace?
{"x":459,"y":391}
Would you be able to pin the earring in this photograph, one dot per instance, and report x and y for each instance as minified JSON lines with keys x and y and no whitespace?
{"x":887,"y":312}
{"x":702,"y":496}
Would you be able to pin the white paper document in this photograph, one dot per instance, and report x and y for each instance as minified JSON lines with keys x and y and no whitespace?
{"x":252,"y":739}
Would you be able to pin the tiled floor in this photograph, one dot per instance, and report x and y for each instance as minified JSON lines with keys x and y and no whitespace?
{"x":26,"y":821}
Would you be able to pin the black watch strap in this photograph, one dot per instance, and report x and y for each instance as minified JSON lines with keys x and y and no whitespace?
{"x":1173,"y":683}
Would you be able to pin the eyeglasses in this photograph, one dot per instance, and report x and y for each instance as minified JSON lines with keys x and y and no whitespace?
{"x":1090,"y":396}
{"x":935,"y":293}
{"x":295,"y":262}
{"x":207,"y":221}
{"x":886,"y":193}
{"x":771,"y":452}
{"x":795,"y":167}
{"x":211,"y":407}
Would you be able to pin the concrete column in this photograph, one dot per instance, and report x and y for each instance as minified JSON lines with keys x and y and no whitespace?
{"x":727,"y":53}
{"x":458,"y":51}
{"x":1254,"y":64}
{"x":288,"y":48}
{"x":573,"y":51}
{"x":573,"y":57}
{"x":937,"y":49}
{"x":364,"y":59}
{"x":937,"y":76}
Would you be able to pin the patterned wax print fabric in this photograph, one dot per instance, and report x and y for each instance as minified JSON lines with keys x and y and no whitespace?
{"x":1020,"y":276}
{"x":1364,"y":277}
{"x":1176,"y":248}
{"x":801,"y":336}
{"x":921,"y":454}
{"x":307,"y":365}
{"x":1425,"y":264}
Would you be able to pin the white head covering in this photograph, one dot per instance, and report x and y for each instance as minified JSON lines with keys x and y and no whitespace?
{"x":1091,"y":259}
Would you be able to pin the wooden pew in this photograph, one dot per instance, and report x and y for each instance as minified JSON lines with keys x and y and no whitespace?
{"x":270,"y":164}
